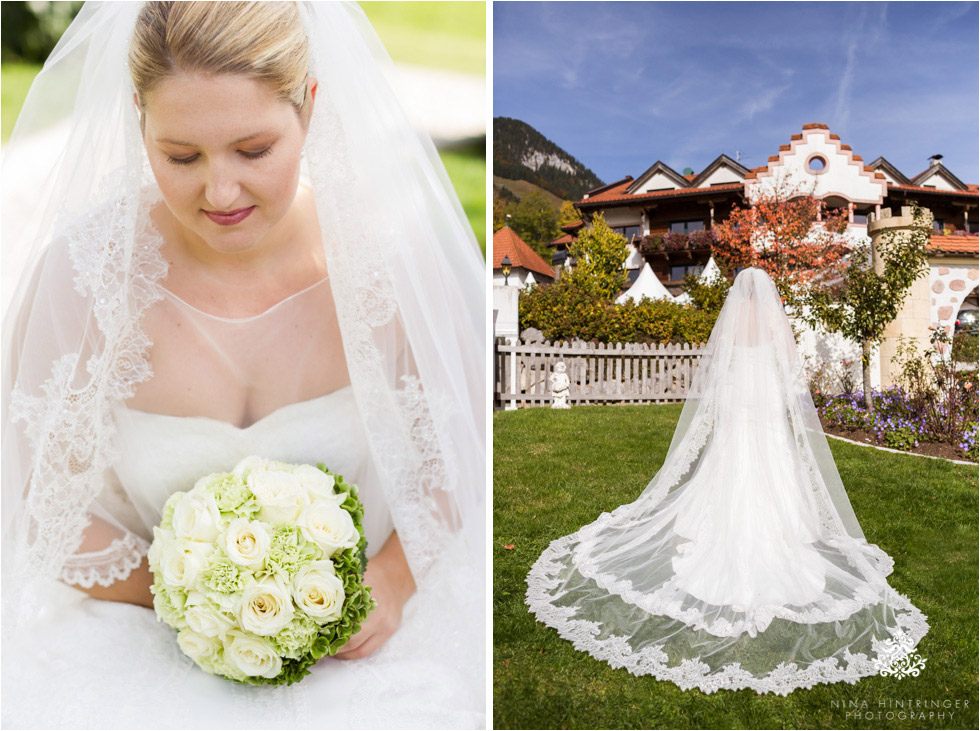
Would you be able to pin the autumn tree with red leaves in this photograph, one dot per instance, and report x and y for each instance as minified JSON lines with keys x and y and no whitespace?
{"x":789,"y":234}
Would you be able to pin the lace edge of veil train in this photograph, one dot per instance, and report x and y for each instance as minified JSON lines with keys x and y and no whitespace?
{"x":691,"y":673}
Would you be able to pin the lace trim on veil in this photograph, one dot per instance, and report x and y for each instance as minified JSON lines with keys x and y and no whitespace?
{"x":113,"y":563}
{"x":692,"y":672}
{"x":70,"y":424}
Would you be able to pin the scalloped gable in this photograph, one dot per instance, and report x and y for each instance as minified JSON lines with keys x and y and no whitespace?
{"x":845,"y":173}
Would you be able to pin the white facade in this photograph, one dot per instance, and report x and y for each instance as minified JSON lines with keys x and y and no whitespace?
{"x":657,"y":181}
{"x":839,"y":174}
{"x":723,"y":174}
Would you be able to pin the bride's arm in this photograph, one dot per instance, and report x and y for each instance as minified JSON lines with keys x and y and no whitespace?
{"x":391,"y":584}
{"x":134,"y":589}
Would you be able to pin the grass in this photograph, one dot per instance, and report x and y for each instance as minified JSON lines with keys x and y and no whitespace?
{"x":467,"y":169}
{"x":16,"y":78}
{"x":555,"y":471}
{"x":445,"y":35}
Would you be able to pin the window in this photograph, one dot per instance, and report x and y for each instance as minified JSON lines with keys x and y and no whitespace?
{"x":861,"y":218}
{"x":628,"y":232}
{"x":938,"y":224}
{"x":972,"y":226}
{"x":686,"y":227}
{"x":816,"y":164}
{"x":679,"y":272}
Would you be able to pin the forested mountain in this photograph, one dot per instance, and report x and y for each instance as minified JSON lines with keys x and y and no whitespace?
{"x":520,"y":152}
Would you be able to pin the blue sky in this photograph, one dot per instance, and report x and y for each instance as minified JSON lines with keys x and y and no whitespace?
{"x":620,"y":85}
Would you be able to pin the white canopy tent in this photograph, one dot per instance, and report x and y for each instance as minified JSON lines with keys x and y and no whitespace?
{"x":646,"y":285}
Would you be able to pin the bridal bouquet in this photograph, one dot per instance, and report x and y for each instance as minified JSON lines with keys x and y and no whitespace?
{"x":260,"y":569}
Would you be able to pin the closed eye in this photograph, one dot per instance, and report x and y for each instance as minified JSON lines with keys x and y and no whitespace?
{"x":182,"y":160}
{"x":257,"y":155}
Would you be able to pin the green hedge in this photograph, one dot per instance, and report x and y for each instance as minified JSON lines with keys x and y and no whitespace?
{"x":562,"y":311}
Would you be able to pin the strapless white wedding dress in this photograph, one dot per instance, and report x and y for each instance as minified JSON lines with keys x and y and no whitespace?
{"x":107,"y":665}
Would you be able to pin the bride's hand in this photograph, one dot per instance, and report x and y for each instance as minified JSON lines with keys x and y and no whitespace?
{"x":391,"y":585}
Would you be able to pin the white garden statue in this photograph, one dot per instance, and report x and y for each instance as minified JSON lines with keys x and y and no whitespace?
{"x":560,"y":387}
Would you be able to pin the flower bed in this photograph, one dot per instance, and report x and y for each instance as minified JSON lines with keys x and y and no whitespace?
{"x":898,"y":422}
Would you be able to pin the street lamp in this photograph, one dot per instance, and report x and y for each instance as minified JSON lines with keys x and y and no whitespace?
{"x":505,"y":265}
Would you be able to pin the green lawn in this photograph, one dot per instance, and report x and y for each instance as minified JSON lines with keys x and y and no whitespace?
{"x":555,"y":471}
{"x":446,"y":35}
{"x":16,"y":80}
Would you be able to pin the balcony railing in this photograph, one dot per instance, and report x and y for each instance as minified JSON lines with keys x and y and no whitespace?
{"x":671,"y":242}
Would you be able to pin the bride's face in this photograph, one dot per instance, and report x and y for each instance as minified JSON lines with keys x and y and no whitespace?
{"x":225,"y":151}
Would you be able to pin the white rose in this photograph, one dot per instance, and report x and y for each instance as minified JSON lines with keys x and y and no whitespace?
{"x":249,"y":464}
{"x":280,"y":495}
{"x":318,"y":484}
{"x":252,"y":656}
{"x":161,"y":539}
{"x":266,"y":607}
{"x":182,"y":562}
{"x":319,"y":592}
{"x":329,"y":526}
{"x":246,"y":542}
{"x":203,"y":619}
{"x":196,"y":517}
{"x":205,"y":651}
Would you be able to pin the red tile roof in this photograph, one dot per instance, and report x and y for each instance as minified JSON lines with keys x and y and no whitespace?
{"x":507,"y":243}
{"x":970,"y":191}
{"x":566,"y":239}
{"x":617,"y":193}
{"x":955,"y":244}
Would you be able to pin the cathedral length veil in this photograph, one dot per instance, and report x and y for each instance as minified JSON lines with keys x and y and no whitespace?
{"x":742,"y":564}
{"x":407,"y":282}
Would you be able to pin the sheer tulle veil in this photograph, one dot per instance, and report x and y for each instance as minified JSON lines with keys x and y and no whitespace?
{"x":81,"y":268}
{"x":741,"y":564}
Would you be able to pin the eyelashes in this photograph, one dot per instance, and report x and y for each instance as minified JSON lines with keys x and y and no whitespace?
{"x":247,"y":155}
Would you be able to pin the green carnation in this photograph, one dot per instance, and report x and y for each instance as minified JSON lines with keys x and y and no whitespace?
{"x":169,"y":603}
{"x":289,"y":551}
{"x":231,"y":494}
{"x":225,"y":577}
{"x":296,"y":639}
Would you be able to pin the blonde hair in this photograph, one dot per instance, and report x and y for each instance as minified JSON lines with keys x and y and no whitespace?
{"x":264,"y":41}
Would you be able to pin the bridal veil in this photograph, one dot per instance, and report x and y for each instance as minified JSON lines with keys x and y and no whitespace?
{"x":82,"y":267}
{"x":742,"y":564}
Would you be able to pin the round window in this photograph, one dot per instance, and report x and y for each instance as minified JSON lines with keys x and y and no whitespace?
{"x":816,"y":164}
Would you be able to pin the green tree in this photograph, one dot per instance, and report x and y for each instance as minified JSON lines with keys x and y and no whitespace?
{"x":568,"y":214}
{"x":502,"y":207}
{"x":873,"y":288}
{"x":536,"y":221}
{"x":599,"y":256}
{"x":709,"y":295}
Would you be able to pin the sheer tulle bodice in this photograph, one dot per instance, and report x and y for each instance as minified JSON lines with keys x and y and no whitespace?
{"x":164,"y":454}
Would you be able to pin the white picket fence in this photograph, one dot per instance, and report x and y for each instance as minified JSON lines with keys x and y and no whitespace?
{"x":599,"y":372}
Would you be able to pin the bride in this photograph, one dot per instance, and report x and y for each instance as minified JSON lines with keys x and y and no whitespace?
{"x":240,"y":247}
{"x":742,"y":564}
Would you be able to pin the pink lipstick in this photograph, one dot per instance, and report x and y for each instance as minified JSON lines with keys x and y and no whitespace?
{"x":229,"y":218}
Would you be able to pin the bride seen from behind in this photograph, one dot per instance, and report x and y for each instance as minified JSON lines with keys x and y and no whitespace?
{"x":742,"y":563}
{"x":207,"y":300}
